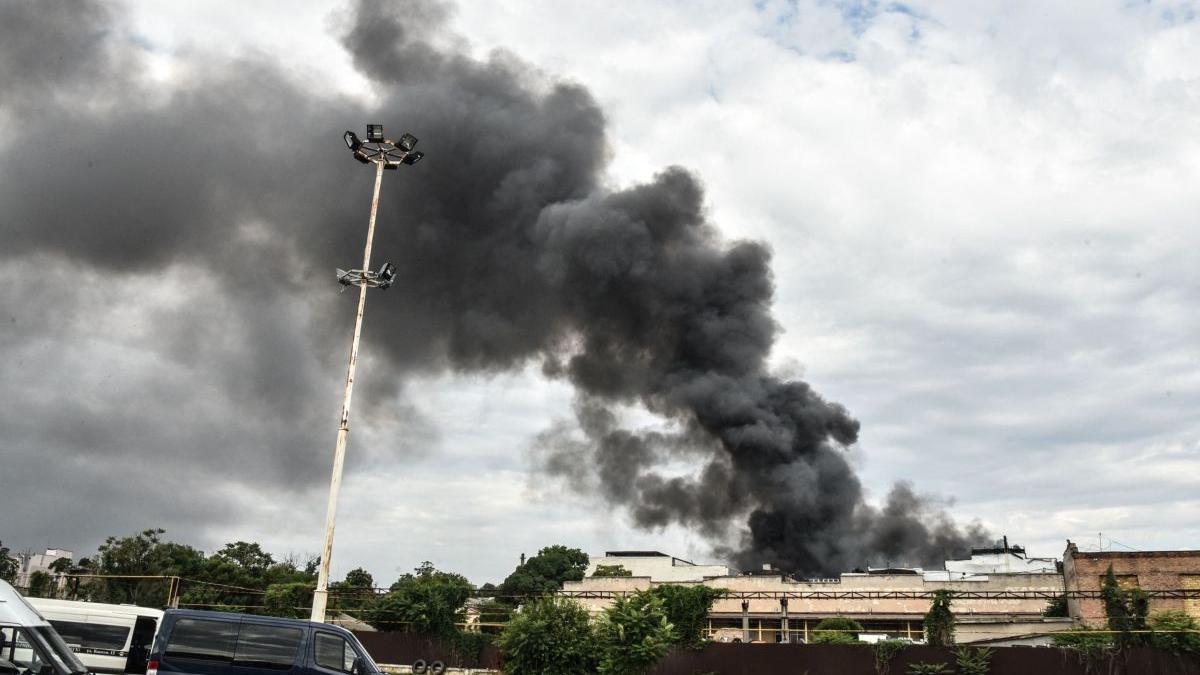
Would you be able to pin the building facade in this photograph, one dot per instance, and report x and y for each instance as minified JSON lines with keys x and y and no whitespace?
{"x":768,"y":606}
{"x":1172,"y":576}
{"x":40,"y":562}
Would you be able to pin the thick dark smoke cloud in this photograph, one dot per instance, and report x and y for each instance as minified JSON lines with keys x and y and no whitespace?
{"x":510,"y":251}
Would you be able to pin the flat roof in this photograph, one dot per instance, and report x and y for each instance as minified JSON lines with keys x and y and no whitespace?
{"x":635,"y":554}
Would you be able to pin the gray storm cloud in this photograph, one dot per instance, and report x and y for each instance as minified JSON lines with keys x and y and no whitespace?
{"x":510,"y":250}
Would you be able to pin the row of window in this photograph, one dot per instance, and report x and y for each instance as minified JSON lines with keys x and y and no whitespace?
{"x":78,"y":634}
{"x":254,"y":645}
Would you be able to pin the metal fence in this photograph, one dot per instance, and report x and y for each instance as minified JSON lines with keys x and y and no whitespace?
{"x":763,"y":659}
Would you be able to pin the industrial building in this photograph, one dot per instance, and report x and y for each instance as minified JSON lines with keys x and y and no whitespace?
{"x":1170,"y":578}
{"x":999,"y":593}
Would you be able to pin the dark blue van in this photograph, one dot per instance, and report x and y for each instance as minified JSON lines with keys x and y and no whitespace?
{"x":191,"y":642}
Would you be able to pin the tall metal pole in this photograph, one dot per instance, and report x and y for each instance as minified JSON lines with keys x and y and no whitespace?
{"x":320,"y":596}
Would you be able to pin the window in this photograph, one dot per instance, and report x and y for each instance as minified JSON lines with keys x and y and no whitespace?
{"x":80,"y":635}
{"x":267,"y":646}
{"x":200,"y":639}
{"x":333,"y":653}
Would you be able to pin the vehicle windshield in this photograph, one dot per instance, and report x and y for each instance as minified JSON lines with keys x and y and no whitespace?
{"x":36,"y":651}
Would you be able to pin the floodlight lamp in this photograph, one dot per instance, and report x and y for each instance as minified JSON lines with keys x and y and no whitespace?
{"x":374,"y":132}
{"x":413,"y":157}
{"x":407,"y":142}
{"x":387,"y":272}
{"x":361,"y":156}
{"x":352,"y":141}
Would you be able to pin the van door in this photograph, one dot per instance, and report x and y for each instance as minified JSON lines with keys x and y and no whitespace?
{"x":267,"y":649}
{"x":332,"y":655}
{"x":139,"y":645}
{"x":199,"y":647}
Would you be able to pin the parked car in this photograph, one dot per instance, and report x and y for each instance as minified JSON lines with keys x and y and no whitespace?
{"x":193,"y":642}
{"x":29,"y":645}
{"x":108,"y":639}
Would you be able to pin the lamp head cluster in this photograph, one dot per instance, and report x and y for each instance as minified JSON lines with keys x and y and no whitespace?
{"x":377,"y":149}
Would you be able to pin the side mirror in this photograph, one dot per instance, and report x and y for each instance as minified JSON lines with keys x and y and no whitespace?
{"x":359,"y":667}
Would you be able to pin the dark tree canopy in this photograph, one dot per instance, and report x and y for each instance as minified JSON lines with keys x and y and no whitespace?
{"x":427,"y":601}
{"x":545,"y":572}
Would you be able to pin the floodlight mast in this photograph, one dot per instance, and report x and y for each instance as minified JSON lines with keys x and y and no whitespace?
{"x":384,"y":154}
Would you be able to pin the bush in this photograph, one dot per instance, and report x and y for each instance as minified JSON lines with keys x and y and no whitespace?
{"x":1084,"y":640}
{"x":973,"y":661}
{"x":41,"y":585}
{"x":1056,"y":607}
{"x":885,"y":651}
{"x":633,"y":634}
{"x":836,"y":630}
{"x":926,"y":668}
{"x":288,"y":600}
{"x":687,"y":610}
{"x":551,"y":636}
{"x":1168,"y":632}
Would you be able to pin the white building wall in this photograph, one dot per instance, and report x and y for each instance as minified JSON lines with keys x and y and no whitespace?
{"x":40,"y":562}
{"x":659,"y":568}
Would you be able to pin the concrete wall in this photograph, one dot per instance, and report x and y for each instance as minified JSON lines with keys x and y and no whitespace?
{"x":659,"y":568}
{"x":1149,"y":570}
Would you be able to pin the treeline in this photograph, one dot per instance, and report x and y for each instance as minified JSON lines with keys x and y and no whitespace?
{"x":149,"y":570}
{"x":535,"y":630}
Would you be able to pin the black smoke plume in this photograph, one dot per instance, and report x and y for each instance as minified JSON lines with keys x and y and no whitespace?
{"x":509,"y":250}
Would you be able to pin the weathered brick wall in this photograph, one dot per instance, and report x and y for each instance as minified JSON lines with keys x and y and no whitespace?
{"x":1153,"y":570}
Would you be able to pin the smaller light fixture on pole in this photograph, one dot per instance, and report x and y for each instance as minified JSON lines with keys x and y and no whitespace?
{"x":384,"y":154}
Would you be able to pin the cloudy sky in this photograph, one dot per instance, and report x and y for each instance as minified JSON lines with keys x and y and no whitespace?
{"x":982,"y":219}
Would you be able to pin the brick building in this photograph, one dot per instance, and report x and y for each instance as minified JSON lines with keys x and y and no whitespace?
{"x":1165,"y":571}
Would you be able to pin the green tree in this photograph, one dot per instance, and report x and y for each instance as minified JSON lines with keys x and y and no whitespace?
{"x":836,"y":630}
{"x":633,"y":634}
{"x":611,"y":571}
{"x":247,"y":556}
{"x":61,"y":565}
{"x":1056,"y":607}
{"x":355,"y":592}
{"x":1126,"y":611}
{"x":1175,"y":631}
{"x":359,"y":578}
{"x":428,"y":601}
{"x":939,"y":621}
{"x":687,"y":609}
{"x":544,"y":573}
{"x":140,"y":555}
{"x":549,"y":636}
{"x":290,"y":600}
{"x":8,"y":566}
{"x":41,"y":585}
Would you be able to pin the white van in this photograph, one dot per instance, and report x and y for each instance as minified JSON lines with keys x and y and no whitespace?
{"x":28,"y":644}
{"x":109,"y":639}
